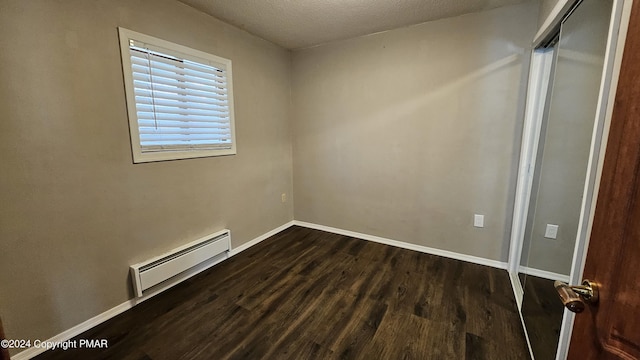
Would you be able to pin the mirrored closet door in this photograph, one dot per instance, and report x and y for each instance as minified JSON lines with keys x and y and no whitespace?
{"x":559,"y":141}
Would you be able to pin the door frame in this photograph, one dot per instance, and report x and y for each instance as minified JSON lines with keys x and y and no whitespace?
{"x":537,"y":91}
{"x":613,"y":59}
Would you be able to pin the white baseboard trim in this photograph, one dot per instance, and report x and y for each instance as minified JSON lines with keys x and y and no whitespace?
{"x":543,"y":274}
{"x":245,"y":246}
{"x":77,"y":330}
{"x":406,"y":245}
{"x":518,"y":291}
{"x":117,"y":310}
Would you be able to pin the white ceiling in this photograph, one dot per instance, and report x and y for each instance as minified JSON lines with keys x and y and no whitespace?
{"x":302,"y":23}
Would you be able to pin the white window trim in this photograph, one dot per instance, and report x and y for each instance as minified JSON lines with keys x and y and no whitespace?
{"x":184,"y":52}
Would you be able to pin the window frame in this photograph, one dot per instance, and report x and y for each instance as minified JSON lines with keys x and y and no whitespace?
{"x":179,"y":51}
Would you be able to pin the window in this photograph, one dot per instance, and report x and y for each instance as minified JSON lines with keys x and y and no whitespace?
{"x":180,"y":100}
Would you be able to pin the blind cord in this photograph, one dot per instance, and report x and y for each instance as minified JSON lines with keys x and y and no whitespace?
{"x":153,"y":94}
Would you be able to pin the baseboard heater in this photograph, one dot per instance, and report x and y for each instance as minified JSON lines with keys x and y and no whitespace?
{"x":203,"y":251}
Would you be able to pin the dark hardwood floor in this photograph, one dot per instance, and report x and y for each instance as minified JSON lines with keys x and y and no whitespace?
{"x":308,"y":294}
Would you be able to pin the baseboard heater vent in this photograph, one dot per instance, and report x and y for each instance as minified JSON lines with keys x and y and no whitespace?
{"x":195,"y":255}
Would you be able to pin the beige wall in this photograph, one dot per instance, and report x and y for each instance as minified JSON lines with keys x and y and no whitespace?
{"x":406,"y":134}
{"x":75,"y":211}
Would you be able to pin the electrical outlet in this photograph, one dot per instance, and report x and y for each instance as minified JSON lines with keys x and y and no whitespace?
{"x":551,"y":232}
{"x":284,"y":197}
{"x":478,"y":221}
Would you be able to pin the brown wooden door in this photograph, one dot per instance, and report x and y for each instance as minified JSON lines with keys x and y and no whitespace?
{"x":4,"y":352}
{"x":611,"y":328}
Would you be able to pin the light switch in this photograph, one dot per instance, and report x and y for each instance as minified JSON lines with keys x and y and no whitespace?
{"x":478,"y":220}
{"x":551,"y":232}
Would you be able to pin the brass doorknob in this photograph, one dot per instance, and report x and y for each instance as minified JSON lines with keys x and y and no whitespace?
{"x":573,"y":297}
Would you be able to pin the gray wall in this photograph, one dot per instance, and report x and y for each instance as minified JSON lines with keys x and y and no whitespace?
{"x":406,"y":134}
{"x":75,"y":211}
{"x":403,"y":134}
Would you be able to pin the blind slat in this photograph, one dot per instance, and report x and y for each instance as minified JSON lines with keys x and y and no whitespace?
{"x":192,"y":147}
{"x":144,"y":115}
{"x":176,"y":74}
{"x":180,"y":124}
{"x":203,"y":68}
{"x":217,"y":76}
{"x":161,"y":109}
{"x":145,"y":85}
{"x":179,"y":137}
{"x":148,"y":100}
{"x":183,"y":131}
{"x":181,"y":97}
{"x":177,"y":83}
{"x":199,"y":143}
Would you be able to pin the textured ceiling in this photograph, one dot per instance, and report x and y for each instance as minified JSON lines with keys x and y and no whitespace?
{"x":302,"y":23}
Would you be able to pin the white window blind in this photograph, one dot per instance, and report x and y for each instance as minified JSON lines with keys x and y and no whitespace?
{"x":182,"y":102}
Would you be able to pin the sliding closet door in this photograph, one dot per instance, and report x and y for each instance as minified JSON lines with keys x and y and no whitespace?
{"x":557,"y":195}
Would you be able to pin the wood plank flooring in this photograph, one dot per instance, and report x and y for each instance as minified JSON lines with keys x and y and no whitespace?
{"x":308,"y":294}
